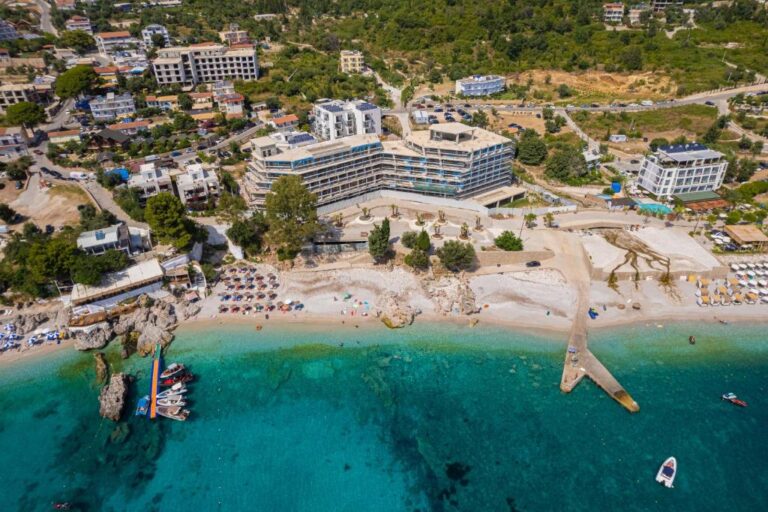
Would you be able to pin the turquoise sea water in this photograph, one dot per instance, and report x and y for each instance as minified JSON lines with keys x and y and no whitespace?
{"x":432,"y":418}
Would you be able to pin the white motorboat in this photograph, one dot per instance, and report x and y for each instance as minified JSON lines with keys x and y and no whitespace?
{"x":667,"y":472}
{"x":176,"y":389}
{"x":172,"y":401}
{"x":174,"y":413}
{"x":172,"y":370}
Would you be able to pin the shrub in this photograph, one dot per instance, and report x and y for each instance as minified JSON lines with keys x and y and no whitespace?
{"x":508,"y":242}
{"x":456,"y":255}
{"x":417,"y":259}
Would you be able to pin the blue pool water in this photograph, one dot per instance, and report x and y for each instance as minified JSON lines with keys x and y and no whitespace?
{"x":432,"y":418}
{"x":655,"y":208}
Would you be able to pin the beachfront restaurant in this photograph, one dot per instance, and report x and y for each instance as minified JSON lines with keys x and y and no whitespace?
{"x":748,"y":236}
{"x":133,"y":281}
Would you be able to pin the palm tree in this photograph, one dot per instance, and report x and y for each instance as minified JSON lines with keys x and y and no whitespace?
{"x":440,"y":216}
{"x":419,"y":219}
{"x":464,"y":234}
{"x":478,"y":224}
{"x":366,"y":213}
{"x":549,"y":218}
{"x":395,"y":213}
{"x":339,"y":220}
{"x":530,"y":219}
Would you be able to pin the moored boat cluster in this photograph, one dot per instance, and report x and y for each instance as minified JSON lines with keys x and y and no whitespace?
{"x":172,"y":401}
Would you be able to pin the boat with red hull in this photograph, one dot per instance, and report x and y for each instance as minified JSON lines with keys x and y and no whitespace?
{"x":731,"y":397}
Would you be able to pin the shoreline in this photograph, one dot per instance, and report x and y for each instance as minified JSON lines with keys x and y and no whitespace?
{"x":557,"y":335}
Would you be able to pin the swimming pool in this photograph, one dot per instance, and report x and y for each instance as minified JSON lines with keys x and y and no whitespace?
{"x":655,"y":208}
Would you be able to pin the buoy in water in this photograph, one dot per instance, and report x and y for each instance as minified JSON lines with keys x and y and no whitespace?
{"x":258,"y":327}
{"x":692,"y":340}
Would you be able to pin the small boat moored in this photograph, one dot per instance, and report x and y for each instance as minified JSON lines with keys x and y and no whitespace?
{"x":731,"y":397}
{"x":667,"y":472}
{"x":174,"y":412}
{"x":143,"y":406}
{"x":178,"y":379}
{"x":173,"y":369}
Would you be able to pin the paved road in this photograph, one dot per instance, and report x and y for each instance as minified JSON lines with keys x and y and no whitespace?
{"x":45,"y":17}
{"x":103,"y":198}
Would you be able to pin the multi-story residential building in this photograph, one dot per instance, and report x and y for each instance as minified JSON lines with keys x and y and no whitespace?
{"x":613,"y":13}
{"x":130,"y":128}
{"x":7,"y":31}
{"x":10,"y":94}
{"x":151,"y":181}
{"x":205,"y":63}
{"x":278,"y":142}
{"x":233,"y":105}
{"x":336,"y":119}
{"x":148,"y":33}
{"x":660,"y":5}
{"x":351,"y":61}
{"x":480,"y":85}
{"x":682,"y":168}
{"x":110,"y":42}
{"x":448,"y":160}
{"x":99,"y":241}
{"x":234,"y":35}
{"x":79,"y":23}
{"x":164,"y":103}
{"x":12,"y":142}
{"x":198,"y":185}
{"x":112,"y":106}
{"x":223,"y":88}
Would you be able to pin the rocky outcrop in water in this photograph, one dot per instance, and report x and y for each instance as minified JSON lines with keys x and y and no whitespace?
{"x":102,"y":368}
{"x":395,"y":311}
{"x":112,"y":397}
{"x":97,"y":336}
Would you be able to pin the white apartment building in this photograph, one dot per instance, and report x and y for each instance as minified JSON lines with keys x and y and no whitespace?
{"x":79,"y":23}
{"x":613,"y":13}
{"x":12,"y":142}
{"x":110,"y":42}
{"x":351,"y":61}
{"x":151,"y":181}
{"x":205,"y":63}
{"x":111,"y":106}
{"x":480,"y":85}
{"x":334,"y":119}
{"x":150,"y":31}
{"x":448,"y":160}
{"x":7,"y":31}
{"x":679,"y":169}
{"x":278,"y":142}
{"x":197,"y":185}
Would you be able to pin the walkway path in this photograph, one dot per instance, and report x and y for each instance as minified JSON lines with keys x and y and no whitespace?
{"x":103,"y":198}
{"x":45,"y":17}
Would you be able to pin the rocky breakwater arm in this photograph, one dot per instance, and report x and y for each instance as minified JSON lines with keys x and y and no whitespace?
{"x":112,"y":397}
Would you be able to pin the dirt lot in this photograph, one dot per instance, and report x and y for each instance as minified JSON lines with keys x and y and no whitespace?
{"x":55,"y":205}
{"x":526,"y":121}
{"x":587,"y":86}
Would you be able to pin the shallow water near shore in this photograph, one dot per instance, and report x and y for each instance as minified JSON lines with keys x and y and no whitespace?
{"x":431,"y":418}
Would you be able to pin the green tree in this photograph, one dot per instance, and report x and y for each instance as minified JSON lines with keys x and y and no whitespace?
{"x":167,"y":218}
{"x":7,"y":213}
{"x":292,"y":215}
{"x":745,"y":143}
{"x":185,"y":102}
{"x":408,"y":239}
{"x":564,"y":91}
{"x":566,"y":164}
{"x":422,"y":241}
{"x":531,"y":149}
{"x":417,"y":259}
{"x":230,"y":206}
{"x":78,"y":40}
{"x":508,"y":241}
{"x":632,"y":58}
{"x":248,"y":233}
{"x":76,"y":81}
{"x":479,"y":119}
{"x":91,"y":219}
{"x":378,"y":241}
{"x":660,"y":141}
{"x":26,"y":114}
{"x":456,"y":256}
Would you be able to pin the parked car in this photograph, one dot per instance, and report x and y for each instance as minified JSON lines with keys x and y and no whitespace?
{"x":19,"y":185}
{"x":533,"y":264}
{"x":710,"y":103}
{"x":174,"y":154}
{"x":38,"y":152}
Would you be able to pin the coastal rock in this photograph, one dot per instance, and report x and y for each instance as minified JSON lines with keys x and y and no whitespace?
{"x":150,"y":335}
{"x":102,"y":368}
{"x":28,"y":323}
{"x":96,"y":337}
{"x":395,"y":311}
{"x":112,"y":397}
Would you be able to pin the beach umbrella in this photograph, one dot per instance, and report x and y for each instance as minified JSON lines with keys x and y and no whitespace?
{"x":750,"y":273}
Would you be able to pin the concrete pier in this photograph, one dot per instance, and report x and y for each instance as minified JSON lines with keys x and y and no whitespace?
{"x":580,"y":362}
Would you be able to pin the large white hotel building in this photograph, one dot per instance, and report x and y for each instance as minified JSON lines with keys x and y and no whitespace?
{"x":203,"y":63}
{"x":449,"y":160}
{"x":683,"y":168}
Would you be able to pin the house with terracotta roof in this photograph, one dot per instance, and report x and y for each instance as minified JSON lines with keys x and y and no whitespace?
{"x":79,"y":23}
{"x":164,"y":103}
{"x":129,"y":128}
{"x":65,"y":5}
{"x":232,"y":105}
{"x":110,"y":42}
{"x":285,"y":123}
{"x":64,"y":136}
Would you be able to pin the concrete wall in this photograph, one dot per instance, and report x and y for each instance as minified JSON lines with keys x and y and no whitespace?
{"x":491,"y":258}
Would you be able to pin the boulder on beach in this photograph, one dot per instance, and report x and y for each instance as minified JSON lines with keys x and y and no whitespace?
{"x":112,"y":397}
{"x":395,"y":311}
{"x":95,"y":337}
